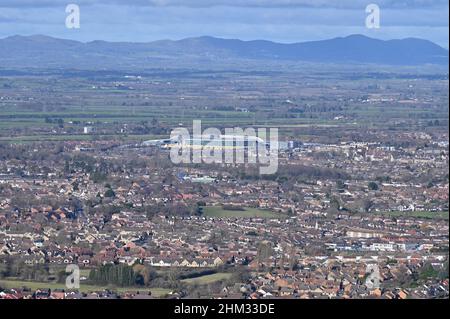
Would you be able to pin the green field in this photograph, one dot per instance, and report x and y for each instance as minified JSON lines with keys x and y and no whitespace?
{"x":218,"y":211}
{"x":9,"y":284}
{"x":425,"y":215}
{"x":76,"y":137}
{"x":14,"y":118}
{"x":207,"y":279}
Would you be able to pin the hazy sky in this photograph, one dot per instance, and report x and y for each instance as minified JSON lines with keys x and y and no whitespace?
{"x":277,"y":20}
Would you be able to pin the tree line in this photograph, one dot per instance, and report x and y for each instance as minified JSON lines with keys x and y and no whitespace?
{"x":117,"y":275}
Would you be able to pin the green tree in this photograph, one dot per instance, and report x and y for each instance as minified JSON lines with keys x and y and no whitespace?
{"x":110,"y":193}
{"x":373,"y":186}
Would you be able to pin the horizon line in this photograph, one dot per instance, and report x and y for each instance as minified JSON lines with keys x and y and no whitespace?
{"x":222,"y":38}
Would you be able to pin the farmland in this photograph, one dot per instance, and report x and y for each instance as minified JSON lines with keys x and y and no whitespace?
{"x":132,"y":109}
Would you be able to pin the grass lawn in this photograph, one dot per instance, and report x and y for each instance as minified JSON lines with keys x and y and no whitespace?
{"x":425,"y":215}
{"x":207,"y":279}
{"x":9,"y":284}
{"x":218,"y":211}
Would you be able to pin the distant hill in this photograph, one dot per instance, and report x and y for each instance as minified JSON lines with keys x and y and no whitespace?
{"x":45,"y":52}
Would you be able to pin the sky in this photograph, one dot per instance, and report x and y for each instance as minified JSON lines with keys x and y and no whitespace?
{"x":285,"y":21}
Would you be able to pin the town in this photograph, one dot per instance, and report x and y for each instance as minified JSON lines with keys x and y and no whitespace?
{"x":357,"y":207}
